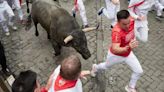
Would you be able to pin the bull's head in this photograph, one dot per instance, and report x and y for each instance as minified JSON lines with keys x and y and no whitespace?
{"x":78,"y":41}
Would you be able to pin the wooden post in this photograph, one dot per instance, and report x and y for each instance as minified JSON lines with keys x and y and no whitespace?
{"x":3,"y":85}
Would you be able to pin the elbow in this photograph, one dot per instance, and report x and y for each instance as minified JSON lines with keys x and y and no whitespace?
{"x":115,"y":50}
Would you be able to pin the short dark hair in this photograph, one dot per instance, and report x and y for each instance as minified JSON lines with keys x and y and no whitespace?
{"x":70,"y":68}
{"x":25,"y":82}
{"x":123,"y":14}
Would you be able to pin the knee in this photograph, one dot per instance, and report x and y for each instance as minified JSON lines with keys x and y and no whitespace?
{"x":140,"y":71}
{"x":144,"y":39}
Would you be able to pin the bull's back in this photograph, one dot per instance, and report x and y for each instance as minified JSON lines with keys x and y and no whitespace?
{"x":41,"y":13}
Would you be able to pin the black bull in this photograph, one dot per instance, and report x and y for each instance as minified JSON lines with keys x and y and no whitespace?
{"x":62,"y":29}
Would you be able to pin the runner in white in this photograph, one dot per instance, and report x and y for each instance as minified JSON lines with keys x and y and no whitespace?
{"x":123,"y":42}
{"x":79,"y":6}
{"x":159,"y":7}
{"x":139,"y":10}
{"x":112,"y":7}
{"x":18,"y":8}
{"x":6,"y":9}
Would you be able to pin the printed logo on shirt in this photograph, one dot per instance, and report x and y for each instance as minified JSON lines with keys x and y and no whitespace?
{"x":129,"y":36}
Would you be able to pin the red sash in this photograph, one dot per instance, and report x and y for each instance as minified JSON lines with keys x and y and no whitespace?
{"x":20,"y":1}
{"x":76,"y":5}
{"x":135,"y":5}
{"x":61,"y":84}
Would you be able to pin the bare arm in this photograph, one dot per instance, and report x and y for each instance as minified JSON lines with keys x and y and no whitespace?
{"x":115,"y":2}
{"x":119,"y":50}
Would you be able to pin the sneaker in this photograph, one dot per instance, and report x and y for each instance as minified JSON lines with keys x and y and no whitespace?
{"x":128,"y":1}
{"x":74,"y":13}
{"x":7,"y":33}
{"x":111,"y":27}
{"x":94,"y":70}
{"x":14,"y":28}
{"x":86,"y":26}
{"x":159,"y":18}
{"x":100,"y":11}
{"x":6,"y":72}
{"x":129,"y":89}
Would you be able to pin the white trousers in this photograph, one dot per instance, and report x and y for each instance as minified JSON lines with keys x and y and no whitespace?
{"x":6,"y":10}
{"x":18,"y":8}
{"x":82,"y":11}
{"x":141,"y":33}
{"x":159,"y":7}
{"x":131,"y":61}
{"x":111,"y":11}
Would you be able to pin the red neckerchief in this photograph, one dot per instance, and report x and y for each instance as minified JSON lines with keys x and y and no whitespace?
{"x":135,"y":5}
{"x":20,"y":1}
{"x":43,"y":89}
{"x":75,"y":4}
{"x":61,"y":84}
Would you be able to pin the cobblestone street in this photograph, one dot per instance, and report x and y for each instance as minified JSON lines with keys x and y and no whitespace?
{"x":26,"y":51}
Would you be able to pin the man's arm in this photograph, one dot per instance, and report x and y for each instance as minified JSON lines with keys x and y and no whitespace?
{"x":119,"y":50}
{"x":116,"y":2}
{"x":135,"y":16}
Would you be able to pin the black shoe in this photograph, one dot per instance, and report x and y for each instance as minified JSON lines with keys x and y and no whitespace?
{"x":6,"y":72}
{"x":85,"y":26}
{"x":74,"y":13}
{"x":111,"y":27}
{"x":100,"y":11}
{"x":160,"y":18}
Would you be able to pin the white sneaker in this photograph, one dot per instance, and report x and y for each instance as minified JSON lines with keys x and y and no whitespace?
{"x":129,"y":89}
{"x":14,"y":28}
{"x":7,"y":33}
{"x":94,"y":70}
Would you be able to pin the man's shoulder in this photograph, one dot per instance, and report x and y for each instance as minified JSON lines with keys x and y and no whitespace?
{"x":116,"y":28}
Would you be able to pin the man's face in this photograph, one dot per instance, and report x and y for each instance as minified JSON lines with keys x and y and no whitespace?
{"x":124,"y":23}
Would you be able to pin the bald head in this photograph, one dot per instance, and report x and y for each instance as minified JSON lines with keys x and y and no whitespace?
{"x":70,"y":68}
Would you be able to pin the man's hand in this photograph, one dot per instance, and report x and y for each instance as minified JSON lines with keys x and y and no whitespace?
{"x":133,"y":44}
{"x":84,"y":73}
{"x":141,"y":18}
{"x":116,"y":2}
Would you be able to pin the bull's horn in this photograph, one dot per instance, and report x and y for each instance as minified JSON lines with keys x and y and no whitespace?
{"x":68,"y":38}
{"x":89,"y":29}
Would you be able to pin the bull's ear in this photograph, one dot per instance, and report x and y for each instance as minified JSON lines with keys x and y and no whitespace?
{"x":68,"y":38}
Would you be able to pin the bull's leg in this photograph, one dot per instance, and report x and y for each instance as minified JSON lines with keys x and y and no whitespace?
{"x":36,"y":28}
{"x":48,"y":35}
{"x":28,"y":10}
{"x":56,"y":47}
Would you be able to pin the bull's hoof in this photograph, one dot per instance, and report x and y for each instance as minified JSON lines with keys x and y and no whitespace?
{"x":48,"y":37}
{"x":28,"y":10}
{"x":36,"y":34}
{"x":57,"y":54}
